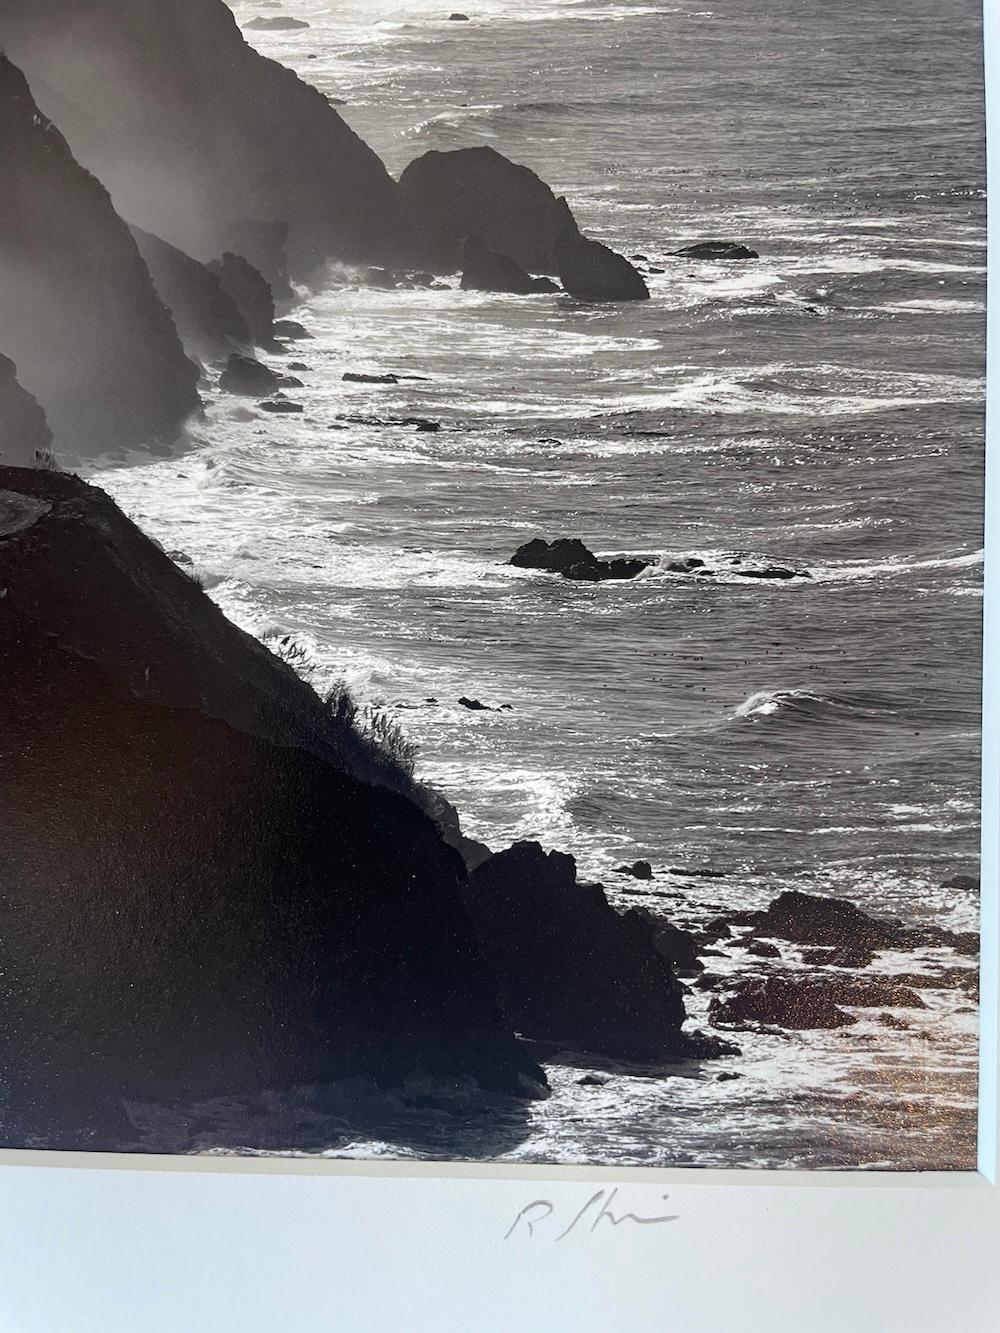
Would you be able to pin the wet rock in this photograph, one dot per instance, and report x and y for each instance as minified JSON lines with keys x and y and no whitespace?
{"x":678,"y":946}
{"x":778,"y":1002}
{"x":687,"y":565}
{"x":569,"y":557}
{"x":761,"y":949}
{"x":384,"y":278}
{"x":479,"y":192}
{"x":848,"y":955}
{"x":458,"y":18}
{"x":245,"y":375}
{"x":593,"y":1081}
{"x":591,"y":271}
{"x":250,"y":292}
{"x":892,"y":1021}
{"x":355,"y":377}
{"x":965,"y":883}
{"x":569,"y":967}
{"x":474,"y":705}
{"x":486,"y":270}
{"x":727,"y":1076}
{"x":773,"y":572}
{"x":717,"y":250}
{"x":638,"y":870}
{"x":291,"y":330}
{"x":281,"y":406}
{"x":297,"y":365}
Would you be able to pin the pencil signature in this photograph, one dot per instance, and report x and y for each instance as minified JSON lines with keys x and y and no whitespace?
{"x":596,"y":1210}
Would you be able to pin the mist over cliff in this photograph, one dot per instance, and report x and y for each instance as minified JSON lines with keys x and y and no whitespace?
{"x":195,"y":134}
{"x":79,"y":314}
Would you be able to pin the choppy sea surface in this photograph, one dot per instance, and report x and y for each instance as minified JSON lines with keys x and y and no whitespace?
{"x":820,"y":408}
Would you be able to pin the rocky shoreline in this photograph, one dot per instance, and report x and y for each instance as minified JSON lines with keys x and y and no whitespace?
{"x":256,"y":893}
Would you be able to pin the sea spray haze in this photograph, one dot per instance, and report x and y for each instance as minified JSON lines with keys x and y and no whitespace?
{"x":817,"y":410}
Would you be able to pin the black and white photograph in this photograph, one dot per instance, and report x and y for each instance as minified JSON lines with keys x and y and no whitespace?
{"x":491,"y":555}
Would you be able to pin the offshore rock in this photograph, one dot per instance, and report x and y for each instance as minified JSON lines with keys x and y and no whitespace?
{"x":569,"y":967}
{"x":244,"y":375}
{"x":570,"y":558}
{"x":486,"y":270}
{"x":717,"y":250}
{"x":479,"y":192}
{"x":591,"y":271}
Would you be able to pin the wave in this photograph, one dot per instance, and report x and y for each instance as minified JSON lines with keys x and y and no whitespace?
{"x":797,"y":705}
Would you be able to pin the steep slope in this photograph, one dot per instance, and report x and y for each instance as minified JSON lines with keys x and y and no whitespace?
{"x":24,"y":432}
{"x":208,"y":320}
{"x":189,"y":909}
{"x":195,"y":134}
{"x":78,"y":312}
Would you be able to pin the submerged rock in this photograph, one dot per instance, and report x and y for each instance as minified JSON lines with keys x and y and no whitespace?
{"x":486,"y":270}
{"x":25,"y":437}
{"x":356,"y":377}
{"x":717,"y":250}
{"x":689,"y":564}
{"x":772,"y":572}
{"x":281,"y":406}
{"x":570,"y":968}
{"x":570,"y":558}
{"x":479,"y":192}
{"x":591,"y":271}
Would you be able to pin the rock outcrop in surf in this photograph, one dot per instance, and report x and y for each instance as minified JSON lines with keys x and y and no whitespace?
{"x":569,"y":967}
{"x":479,"y":192}
{"x":591,"y":271}
{"x":486,"y":270}
{"x":25,"y":437}
{"x":92,"y":340}
{"x":250,"y":292}
{"x":208,"y":320}
{"x":197,"y":135}
{"x":569,"y":557}
{"x":255,"y":915}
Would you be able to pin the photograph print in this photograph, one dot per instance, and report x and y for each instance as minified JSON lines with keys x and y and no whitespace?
{"x":491,"y":550}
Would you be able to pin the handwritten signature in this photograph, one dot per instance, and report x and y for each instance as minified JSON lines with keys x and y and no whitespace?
{"x":596,"y":1210}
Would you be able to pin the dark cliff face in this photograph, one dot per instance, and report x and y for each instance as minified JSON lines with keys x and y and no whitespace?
{"x":24,"y":433}
{"x":196,"y":135}
{"x":80,"y":316}
{"x":191,"y":909}
{"x":479,"y":192}
{"x":208,"y":320}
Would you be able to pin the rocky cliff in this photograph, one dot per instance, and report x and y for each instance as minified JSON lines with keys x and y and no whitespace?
{"x":24,"y":432}
{"x":207,"y":318}
{"x":78,"y":312}
{"x":191,"y":907}
{"x":196,"y":135}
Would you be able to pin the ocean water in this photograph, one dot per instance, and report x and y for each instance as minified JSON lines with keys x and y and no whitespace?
{"x":821,"y":408}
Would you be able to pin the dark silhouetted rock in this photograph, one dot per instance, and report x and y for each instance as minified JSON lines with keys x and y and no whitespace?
{"x":485,"y":270}
{"x":772,"y":572}
{"x":459,"y":18}
{"x":92,"y":340}
{"x":717,"y":250}
{"x":255,"y":915}
{"x":570,"y":558}
{"x":208,"y":320}
{"x":478,"y":192}
{"x":965,"y":883}
{"x":197,"y":136}
{"x":250,"y":292}
{"x":281,"y":406}
{"x":290,"y":329}
{"x":761,"y":949}
{"x":688,"y":565}
{"x":591,"y":271}
{"x":246,"y":376}
{"x":778,"y":1002}
{"x":474,"y":705}
{"x":638,"y":870}
{"x":25,"y":437}
{"x":569,"y":967}
{"x":593,"y":1081}
{"x":355,"y":377}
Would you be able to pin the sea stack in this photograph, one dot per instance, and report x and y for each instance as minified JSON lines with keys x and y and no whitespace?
{"x":591,"y":271}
